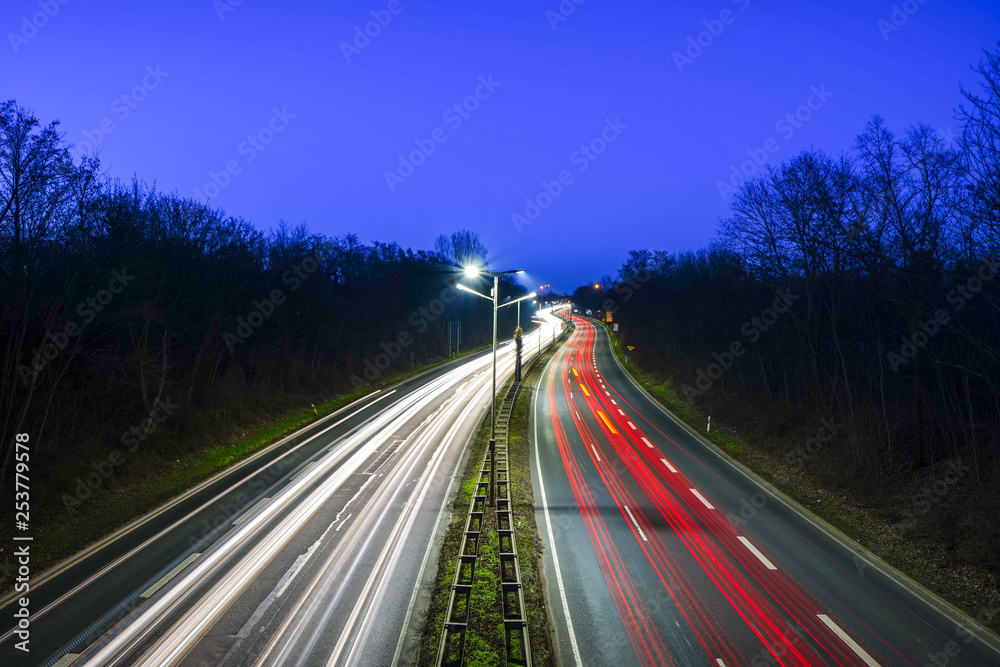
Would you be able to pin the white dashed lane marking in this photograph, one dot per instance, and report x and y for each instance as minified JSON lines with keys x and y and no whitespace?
{"x":702,"y":499}
{"x":846,"y":638}
{"x":756,"y":552}
{"x":634,"y":523}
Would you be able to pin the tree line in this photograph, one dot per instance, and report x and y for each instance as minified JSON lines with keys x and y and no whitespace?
{"x":864,"y":285}
{"x":115,"y":298}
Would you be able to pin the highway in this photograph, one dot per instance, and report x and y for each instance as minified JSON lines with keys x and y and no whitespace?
{"x":661,"y":551}
{"x":313,"y":552}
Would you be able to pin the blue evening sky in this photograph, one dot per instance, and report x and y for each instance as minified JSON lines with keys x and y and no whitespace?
{"x":309,"y":133}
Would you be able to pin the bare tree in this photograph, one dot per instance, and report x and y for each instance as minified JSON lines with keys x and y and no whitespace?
{"x":980,"y":142}
{"x":36,"y":170}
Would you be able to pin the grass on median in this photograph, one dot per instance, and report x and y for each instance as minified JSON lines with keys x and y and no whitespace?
{"x":485,"y":637}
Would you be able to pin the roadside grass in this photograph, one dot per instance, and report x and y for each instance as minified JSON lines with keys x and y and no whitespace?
{"x":482,"y":639}
{"x":485,"y":636}
{"x":169,"y":463}
{"x":942,"y":551}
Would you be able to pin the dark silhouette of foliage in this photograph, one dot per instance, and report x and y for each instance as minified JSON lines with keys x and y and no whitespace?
{"x":115,"y":297}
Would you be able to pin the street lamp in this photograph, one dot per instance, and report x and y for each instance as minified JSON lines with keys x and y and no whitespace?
{"x":539,"y":331}
{"x":518,"y":302}
{"x":475,"y":271}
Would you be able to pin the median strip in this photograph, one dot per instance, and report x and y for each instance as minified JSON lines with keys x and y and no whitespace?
{"x":488,"y":597}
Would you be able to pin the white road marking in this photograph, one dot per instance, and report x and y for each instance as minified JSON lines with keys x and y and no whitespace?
{"x":621,"y":412}
{"x":596,"y":454}
{"x":756,"y":552}
{"x":243,"y":517}
{"x":702,"y":498}
{"x":162,"y":581}
{"x":552,"y":544}
{"x":863,"y":654}
{"x":633,"y":426}
{"x":578,"y":415}
{"x":641,"y":534}
{"x":300,"y":561}
{"x":667,"y":463}
{"x":303,"y":471}
{"x":613,"y":402}
{"x":719,"y":662}
{"x":188,"y":494}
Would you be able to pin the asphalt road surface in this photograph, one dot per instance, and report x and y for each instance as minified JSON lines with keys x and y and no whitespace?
{"x":311,"y":552}
{"x":661,"y":551}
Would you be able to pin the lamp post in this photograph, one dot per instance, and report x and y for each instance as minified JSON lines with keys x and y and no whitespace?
{"x":539,"y":333}
{"x":475,"y":271}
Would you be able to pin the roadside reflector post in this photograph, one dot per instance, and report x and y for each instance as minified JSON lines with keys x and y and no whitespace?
{"x":709,"y":428}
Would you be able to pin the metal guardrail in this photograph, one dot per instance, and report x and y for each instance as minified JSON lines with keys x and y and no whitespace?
{"x":517,"y":650}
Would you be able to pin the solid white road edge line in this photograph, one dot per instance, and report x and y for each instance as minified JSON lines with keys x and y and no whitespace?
{"x":548,"y":525}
